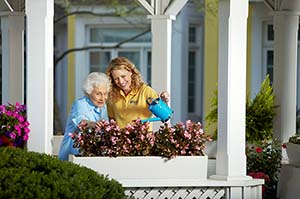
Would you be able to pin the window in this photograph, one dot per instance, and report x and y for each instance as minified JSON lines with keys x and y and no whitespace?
{"x":134,"y":57}
{"x":194,"y":74}
{"x":116,"y":35}
{"x":268,"y":49}
{"x":191,"y":81}
{"x":270,"y":57}
{"x":136,"y":50}
{"x":270,"y":32}
{"x":99,"y":60}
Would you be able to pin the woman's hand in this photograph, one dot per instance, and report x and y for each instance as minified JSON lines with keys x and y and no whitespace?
{"x":164,"y":95}
{"x":89,"y":124}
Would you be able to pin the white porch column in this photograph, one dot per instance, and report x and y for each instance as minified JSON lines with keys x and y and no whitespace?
{"x":285,"y":73}
{"x":40,"y":73}
{"x":161,"y":14}
{"x":12,"y":26}
{"x":161,"y":27}
{"x":231,"y":158}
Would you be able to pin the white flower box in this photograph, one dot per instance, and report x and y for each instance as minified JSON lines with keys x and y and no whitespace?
{"x":139,"y":170}
{"x":293,"y":151}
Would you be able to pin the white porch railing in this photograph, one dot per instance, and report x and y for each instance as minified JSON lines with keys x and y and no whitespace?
{"x":250,"y":189}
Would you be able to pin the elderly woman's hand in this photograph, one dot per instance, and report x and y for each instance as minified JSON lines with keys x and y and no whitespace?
{"x":164,"y":96}
{"x":89,"y":124}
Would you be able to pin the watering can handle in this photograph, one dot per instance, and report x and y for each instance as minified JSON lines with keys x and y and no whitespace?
{"x":152,"y":100}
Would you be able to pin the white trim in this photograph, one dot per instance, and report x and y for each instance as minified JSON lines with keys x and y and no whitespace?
{"x":146,"y":5}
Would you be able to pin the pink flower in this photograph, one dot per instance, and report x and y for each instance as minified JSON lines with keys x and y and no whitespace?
{"x":26,"y":130}
{"x":9,"y":113}
{"x":18,"y":129}
{"x":25,"y":137}
{"x":26,"y":123}
{"x":20,"y":118}
{"x":187,"y":135}
{"x":71,"y":135}
{"x":128,"y":140}
{"x":2,"y":109}
{"x":188,"y":124}
{"x":12,"y":135}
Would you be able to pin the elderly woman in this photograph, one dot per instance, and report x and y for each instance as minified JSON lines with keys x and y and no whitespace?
{"x":127,"y":99}
{"x":89,"y":109}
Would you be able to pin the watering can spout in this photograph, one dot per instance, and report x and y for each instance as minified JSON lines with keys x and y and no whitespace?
{"x":160,"y":109}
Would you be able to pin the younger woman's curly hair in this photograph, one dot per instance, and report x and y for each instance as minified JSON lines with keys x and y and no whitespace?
{"x":118,"y":64}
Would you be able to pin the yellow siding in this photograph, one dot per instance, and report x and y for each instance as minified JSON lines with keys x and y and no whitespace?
{"x":211,"y":54}
{"x":71,"y":62}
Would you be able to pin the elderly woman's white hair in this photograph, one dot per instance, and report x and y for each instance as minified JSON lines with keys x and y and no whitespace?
{"x":95,"y":79}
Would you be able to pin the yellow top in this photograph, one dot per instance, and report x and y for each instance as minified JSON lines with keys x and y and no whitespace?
{"x":131,"y":107}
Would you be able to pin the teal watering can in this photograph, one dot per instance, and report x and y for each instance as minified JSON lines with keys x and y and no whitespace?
{"x":160,"y":109}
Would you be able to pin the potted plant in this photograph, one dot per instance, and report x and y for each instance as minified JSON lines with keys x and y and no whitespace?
{"x":134,"y":154}
{"x":264,"y":161}
{"x":260,"y":112}
{"x":14,"y":129}
{"x":293,"y":149}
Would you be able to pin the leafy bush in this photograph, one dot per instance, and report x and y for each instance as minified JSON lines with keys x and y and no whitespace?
{"x":136,"y":140}
{"x":33,"y":175}
{"x":264,"y":161}
{"x":264,"y":156}
{"x":259,"y":113}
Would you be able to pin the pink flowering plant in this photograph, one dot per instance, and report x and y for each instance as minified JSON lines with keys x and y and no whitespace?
{"x":136,"y":140}
{"x":110,"y":140}
{"x":14,"y":129}
{"x":181,"y":139}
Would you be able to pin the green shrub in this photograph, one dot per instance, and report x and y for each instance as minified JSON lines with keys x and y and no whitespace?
{"x":33,"y":175}
{"x":259,"y":113}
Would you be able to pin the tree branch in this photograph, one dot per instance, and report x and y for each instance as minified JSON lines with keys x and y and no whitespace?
{"x":118,"y":45}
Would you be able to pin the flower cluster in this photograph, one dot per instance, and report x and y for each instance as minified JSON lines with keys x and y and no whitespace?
{"x":260,"y":175}
{"x":182,"y":139}
{"x":14,"y":127}
{"x":265,"y":157}
{"x":136,"y":140}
